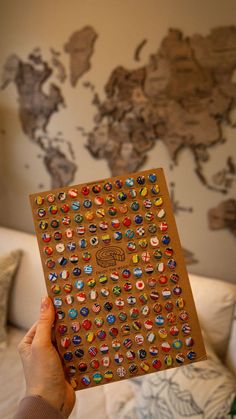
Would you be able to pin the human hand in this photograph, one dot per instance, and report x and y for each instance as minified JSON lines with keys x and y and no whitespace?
{"x":43,"y":370}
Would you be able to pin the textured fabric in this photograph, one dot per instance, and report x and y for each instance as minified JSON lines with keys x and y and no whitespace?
{"x":34,"y":407}
{"x":8,"y":266}
{"x":204,"y":389}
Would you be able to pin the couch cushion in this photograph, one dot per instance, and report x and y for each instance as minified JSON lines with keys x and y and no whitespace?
{"x":28,"y":286}
{"x":215,"y":301}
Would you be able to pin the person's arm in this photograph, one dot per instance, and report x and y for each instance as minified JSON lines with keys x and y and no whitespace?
{"x":48,"y":394}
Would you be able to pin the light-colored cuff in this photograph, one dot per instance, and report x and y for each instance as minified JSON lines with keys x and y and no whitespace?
{"x":38,"y":408}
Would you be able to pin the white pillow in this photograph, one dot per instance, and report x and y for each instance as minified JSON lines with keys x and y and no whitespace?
{"x":215,"y":301}
{"x":203,"y":389}
{"x":230,"y":358}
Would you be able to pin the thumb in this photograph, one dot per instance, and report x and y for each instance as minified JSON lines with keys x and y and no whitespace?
{"x":45,"y":322}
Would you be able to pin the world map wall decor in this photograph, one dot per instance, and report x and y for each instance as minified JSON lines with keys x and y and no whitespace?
{"x":182,"y":96}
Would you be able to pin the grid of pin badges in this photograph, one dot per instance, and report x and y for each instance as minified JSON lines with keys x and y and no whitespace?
{"x":111,"y":272}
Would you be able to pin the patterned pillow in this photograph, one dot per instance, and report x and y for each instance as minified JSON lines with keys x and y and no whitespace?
{"x":200,"y":390}
{"x":8,"y":266}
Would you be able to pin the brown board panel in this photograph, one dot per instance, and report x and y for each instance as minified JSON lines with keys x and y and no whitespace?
{"x":114,"y":269}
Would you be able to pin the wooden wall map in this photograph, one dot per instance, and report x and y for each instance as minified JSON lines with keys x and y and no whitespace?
{"x":114,"y":269}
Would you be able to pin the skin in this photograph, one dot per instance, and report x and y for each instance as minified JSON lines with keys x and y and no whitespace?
{"x":42,"y":366}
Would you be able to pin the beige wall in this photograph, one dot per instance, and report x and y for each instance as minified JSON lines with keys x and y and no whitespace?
{"x":120,"y":25}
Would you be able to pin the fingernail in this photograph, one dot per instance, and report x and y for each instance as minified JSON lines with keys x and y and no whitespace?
{"x":44,"y":304}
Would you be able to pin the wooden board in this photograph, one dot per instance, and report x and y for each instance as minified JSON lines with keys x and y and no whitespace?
{"x":114,"y":268}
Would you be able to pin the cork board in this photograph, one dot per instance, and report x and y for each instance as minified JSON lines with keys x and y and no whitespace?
{"x":114,"y":269}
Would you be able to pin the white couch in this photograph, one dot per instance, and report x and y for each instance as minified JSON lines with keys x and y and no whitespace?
{"x":211,"y":296}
